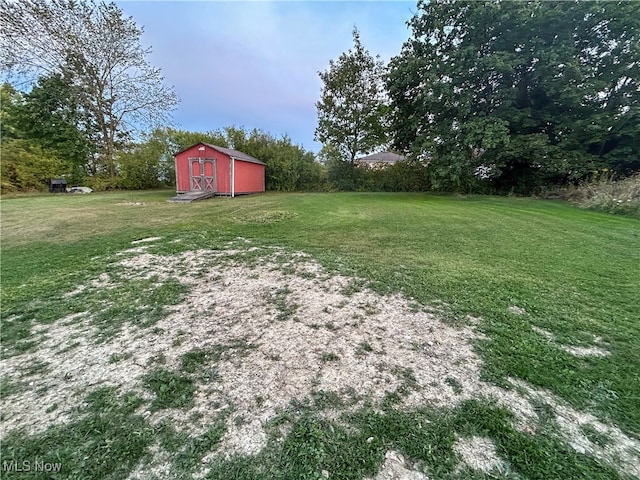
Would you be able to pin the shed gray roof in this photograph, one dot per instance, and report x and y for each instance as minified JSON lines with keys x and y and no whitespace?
{"x":237,"y":154}
{"x":381,"y":157}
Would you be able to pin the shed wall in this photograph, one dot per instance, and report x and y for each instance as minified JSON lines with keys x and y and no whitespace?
{"x":183,"y":181}
{"x":224,"y":176}
{"x":249,"y":177}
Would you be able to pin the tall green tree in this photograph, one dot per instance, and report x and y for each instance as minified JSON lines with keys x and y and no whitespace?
{"x":48,"y":117}
{"x":98,"y":52}
{"x":519,"y":94}
{"x":10,"y":101}
{"x":352,"y":107}
{"x":36,"y":137}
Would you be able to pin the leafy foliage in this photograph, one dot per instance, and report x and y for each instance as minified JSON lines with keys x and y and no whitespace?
{"x":177,"y":140}
{"x":48,"y":118}
{"x":94,"y":52}
{"x":28,"y":167}
{"x":404,"y":176}
{"x":289,"y":167}
{"x":352,"y":109}
{"x":519,"y":94}
{"x":399,"y":177}
{"x":604,"y":193}
{"x":10,"y":99}
{"x":148,"y":164}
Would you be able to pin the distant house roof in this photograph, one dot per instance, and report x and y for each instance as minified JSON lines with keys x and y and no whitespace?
{"x":227,"y":151}
{"x":380,"y":157}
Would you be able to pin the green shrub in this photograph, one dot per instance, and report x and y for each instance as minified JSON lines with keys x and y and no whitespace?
{"x":605,"y":194}
{"x":7,"y":187}
{"x":28,"y":167}
{"x":100,"y":182}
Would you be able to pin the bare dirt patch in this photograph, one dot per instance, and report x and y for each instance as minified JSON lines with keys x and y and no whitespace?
{"x":578,"y":351}
{"x":479,"y":453}
{"x":619,"y":450}
{"x":517,"y":310}
{"x":277,"y":328}
{"x":395,"y":468}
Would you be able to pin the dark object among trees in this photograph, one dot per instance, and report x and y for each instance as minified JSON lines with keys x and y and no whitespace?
{"x":57,"y":185}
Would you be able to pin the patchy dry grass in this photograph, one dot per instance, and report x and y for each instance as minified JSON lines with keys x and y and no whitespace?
{"x":262,"y":334}
{"x":192,"y":354}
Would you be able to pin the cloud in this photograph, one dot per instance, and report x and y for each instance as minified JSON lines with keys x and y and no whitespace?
{"x":256,"y":63}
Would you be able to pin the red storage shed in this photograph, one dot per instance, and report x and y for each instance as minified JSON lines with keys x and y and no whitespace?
{"x":217,"y":170}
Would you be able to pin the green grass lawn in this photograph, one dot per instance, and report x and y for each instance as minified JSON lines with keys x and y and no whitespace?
{"x":512,"y":263}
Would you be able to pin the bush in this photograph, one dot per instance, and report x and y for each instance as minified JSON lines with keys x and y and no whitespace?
{"x":6,"y":187}
{"x":343,"y":176}
{"x":605,"y":194}
{"x":28,"y":167}
{"x":99,"y":182}
{"x":399,"y":177}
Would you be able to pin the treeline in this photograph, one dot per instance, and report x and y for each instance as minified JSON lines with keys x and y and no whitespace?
{"x":150,"y":163}
{"x":41,"y":140}
{"x":485,"y":96}
{"x":44,"y":137}
{"x":496,"y":96}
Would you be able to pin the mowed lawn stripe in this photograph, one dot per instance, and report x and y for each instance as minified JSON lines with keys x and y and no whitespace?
{"x":571,"y":272}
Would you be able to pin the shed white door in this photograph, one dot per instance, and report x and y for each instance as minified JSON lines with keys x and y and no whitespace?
{"x":202,"y":172}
